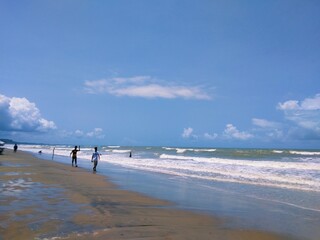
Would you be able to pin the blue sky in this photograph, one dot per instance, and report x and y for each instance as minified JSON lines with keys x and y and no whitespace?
{"x":171,"y":73}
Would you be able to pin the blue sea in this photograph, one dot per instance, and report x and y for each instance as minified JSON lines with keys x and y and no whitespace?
{"x":274,"y":190}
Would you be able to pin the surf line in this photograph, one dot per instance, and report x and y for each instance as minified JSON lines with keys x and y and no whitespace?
{"x":285,"y":203}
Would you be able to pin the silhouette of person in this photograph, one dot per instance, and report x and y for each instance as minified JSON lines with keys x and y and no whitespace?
{"x":53,"y":153}
{"x":15,"y":147}
{"x":74,"y":155}
{"x":95,"y":157}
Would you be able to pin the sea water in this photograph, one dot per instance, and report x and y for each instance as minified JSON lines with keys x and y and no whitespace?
{"x":269,"y":189}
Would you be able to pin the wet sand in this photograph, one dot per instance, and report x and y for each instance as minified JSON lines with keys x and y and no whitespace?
{"x":40,"y":199}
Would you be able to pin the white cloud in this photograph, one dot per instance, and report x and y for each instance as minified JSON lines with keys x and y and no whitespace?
{"x":79,"y":133}
{"x":145,"y":87}
{"x":305,"y":114}
{"x":308,"y":104}
{"x":288,"y":105}
{"x":96,"y":133}
{"x":96,"y":87}
{"x":271,"y":130}
{"x":311,"y":103}
{"x":264,"y":123}
{"x":276,"y":134}
{"x":210,"y":136}
{"x":232,"y":132}
{"x":19,"y":114}
{"x":187,"y":132}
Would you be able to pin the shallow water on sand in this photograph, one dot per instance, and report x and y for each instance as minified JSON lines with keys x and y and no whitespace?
{"x":25,"y":202}
{"x":227,"y":200}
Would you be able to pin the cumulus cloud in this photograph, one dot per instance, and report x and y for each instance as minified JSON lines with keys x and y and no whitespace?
{"x":308,"y":104}
{"x":210,"y":136}
{"x":187,"y":132}
{"x":145,"y":87}
{"x":304,"y":114}
{"x":232,"y":132}
{"x":272,"y":130}
{"x":95,"y":133}
{"x":19,"y":114}
{"x":289,"y":105}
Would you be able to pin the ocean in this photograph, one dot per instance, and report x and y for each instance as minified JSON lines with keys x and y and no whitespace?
{"x":269,"y":189}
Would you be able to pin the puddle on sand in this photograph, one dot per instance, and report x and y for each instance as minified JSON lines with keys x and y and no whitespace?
{"x":31,"y":204}
{"x":5,"y":164}
{"x":15,"y":187}
{"x":13,"y":173}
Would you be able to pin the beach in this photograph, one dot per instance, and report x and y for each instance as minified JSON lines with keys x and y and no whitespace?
{"x":42,"y":199}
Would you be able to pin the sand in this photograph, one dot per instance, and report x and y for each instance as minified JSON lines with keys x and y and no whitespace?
{"x":42,"y":199}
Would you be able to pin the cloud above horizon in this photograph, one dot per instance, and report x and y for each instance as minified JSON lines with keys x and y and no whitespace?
{"x":187,"y":132}
{"x":232,"y":132}
{"x":95,"y":133}
{"x":19,"y":114}
{"x":305,"y":114}
{"x":263,"y":123}
{"x":210,"y":136}
{"x":144,"y":87}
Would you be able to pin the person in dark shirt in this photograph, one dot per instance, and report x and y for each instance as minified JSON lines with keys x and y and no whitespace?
{"x":15,"y":147}
{"x":74,"y":155}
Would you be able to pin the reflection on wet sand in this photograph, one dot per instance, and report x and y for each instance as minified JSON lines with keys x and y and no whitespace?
{"x":35,"y":206}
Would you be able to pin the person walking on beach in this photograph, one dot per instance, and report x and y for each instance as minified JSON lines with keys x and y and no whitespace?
{"x":74,"y":155}
{"x":15,"y":147}
{"x":95,"y":157}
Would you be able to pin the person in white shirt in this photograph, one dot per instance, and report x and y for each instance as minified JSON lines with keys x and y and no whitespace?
{"x":95,"y":157}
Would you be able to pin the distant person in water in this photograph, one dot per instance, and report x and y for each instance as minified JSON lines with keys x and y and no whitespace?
{"x":95,"y":157}
{"x":15,"y":147}
{"x":130,"y":154}
{"x":74,"y":155}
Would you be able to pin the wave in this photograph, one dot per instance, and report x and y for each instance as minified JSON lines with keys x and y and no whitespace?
{"x":277,"y":151}
{"x":183,"y":150}
{"x":304,"y":153}
{"x":272,"y":176}
{"x":205,"y":150}
{"x":246,"y":163}
{"x":121,"y":151}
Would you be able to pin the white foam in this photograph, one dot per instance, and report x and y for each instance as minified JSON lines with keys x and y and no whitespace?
{"x":205,"y":150}
{"x":246,"y":173}
{"x":304,"y":153}
{"x":291,"y":173}
{"x":121,"y":151}
{"x":277,"y":151}
{"x":229,"y":173}
{"x":183,"y":150}
{"x":261,"y":164}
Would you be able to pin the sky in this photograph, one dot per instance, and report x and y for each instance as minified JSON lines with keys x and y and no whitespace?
{"x":201,"y":73}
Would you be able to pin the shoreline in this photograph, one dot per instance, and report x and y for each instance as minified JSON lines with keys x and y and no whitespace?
{"x":42,"y":199}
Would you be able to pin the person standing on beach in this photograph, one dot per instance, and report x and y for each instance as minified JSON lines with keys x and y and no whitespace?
{"x":15,"y":147}
{"x":95,"y":157}
{"x":74,"y":155}
{"x":53,"y":153}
